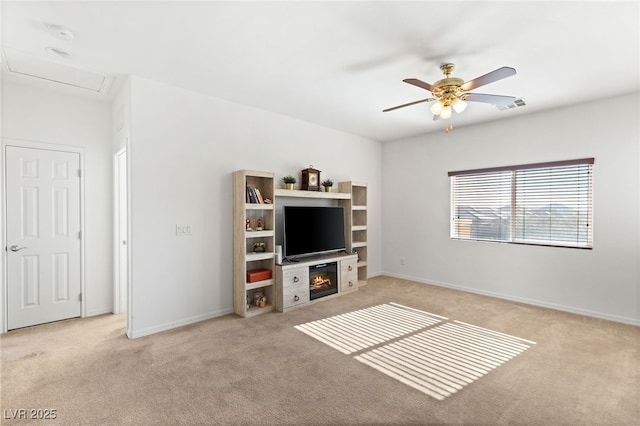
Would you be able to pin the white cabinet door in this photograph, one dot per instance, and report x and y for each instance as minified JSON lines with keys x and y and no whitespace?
{"x":43,"y":236}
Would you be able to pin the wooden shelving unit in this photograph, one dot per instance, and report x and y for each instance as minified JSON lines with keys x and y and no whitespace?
{"x":356,"y":223}
{"x":351,"y":195}
{"x":244,"y":258}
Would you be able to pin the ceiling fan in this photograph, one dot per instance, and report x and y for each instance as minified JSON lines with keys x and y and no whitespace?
{"x":452,"y":92}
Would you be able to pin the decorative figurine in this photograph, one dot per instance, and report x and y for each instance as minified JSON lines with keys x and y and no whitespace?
{"x":259,"y":225}
{"x":249,"y":225}
{"x":257,"y":297}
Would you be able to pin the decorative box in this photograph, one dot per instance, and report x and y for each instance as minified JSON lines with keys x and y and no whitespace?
{"x":258,"y":275}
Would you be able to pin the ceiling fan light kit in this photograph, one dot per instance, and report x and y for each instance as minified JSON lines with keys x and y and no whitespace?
{"x":453,"y":93}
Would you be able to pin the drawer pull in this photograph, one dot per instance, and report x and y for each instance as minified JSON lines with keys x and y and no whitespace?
{"x":296,"y":279}
{"x":350,"y":283}
{"x":296,"y":298}
{"x":350,"y":268}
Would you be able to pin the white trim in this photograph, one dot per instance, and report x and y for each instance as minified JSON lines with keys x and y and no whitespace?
{"x":117,"y":285}
{"x":127,"y":146}
{"x":102,"y":311}
{"x":533,"y":302}
{"x":20,"y":143}
{"x":176,"y":324}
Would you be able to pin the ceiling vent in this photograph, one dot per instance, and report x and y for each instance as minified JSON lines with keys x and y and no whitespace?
{"x":17,"y":62}
{"x":515,"y":104}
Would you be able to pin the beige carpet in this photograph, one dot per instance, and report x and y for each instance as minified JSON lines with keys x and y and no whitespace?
{"x":581,"y":371}
{"x":428,"y":352}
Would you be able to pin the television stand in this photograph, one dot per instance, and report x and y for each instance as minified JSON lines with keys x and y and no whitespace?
{"x":298,"y":281}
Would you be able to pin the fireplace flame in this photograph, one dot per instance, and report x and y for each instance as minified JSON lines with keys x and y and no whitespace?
{"x":320,"y":282}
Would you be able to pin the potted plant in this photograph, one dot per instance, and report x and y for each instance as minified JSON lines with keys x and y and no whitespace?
{"x":289,"y":181}
{"x":327,"y":183}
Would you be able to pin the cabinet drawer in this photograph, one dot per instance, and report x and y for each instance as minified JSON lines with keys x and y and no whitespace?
{"x":295,"y":295}
{"x":295,"y":277}
{"x":348,"y":275}
{"x":349,"y":281}
{"x":347,"y":266}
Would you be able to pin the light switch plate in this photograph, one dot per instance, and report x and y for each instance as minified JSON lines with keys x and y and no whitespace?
{"x":183,"y":230}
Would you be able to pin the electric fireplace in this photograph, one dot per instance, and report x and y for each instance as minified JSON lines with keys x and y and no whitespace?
{"x":323,"y":280}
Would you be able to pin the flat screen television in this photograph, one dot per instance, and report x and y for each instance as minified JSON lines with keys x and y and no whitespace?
{"x":312,"y":230}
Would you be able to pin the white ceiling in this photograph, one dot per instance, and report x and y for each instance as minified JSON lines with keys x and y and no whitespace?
{"x":339,"y":64}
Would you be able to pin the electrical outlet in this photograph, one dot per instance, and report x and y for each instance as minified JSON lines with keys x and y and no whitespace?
{"x":183,"y":230}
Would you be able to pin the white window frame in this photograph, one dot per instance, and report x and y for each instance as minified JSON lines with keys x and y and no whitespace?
{"x":500,"y":204}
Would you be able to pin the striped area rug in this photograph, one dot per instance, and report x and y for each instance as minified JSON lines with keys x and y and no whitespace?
{"x":428,"y":352}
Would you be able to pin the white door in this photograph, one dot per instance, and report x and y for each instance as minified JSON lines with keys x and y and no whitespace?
{"x":43,"y":236}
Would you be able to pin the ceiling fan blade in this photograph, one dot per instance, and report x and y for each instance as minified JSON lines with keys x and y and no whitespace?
{"x":419,"y":83}
{"x":409,"y":104}
{"x":490,"y":99}
{"x":494,"y":75}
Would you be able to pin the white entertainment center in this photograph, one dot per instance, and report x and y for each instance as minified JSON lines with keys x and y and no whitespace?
{"x":260,"y":284}
{"x":294,"y":280}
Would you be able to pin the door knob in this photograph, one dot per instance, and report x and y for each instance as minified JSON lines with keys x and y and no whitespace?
{"x":16,"y":248}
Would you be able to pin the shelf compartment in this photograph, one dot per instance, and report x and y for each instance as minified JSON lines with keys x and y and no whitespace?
{"x":266,"y":218}
{"x":269,"y":247}
{"x":361,"y":250}
{"x":267,"y":291}
{"x":359,"y":235}
{"x":359,"y":218}
{"x":359,"y":192}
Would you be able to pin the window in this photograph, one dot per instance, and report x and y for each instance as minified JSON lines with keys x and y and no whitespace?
{"x":543,"y":203}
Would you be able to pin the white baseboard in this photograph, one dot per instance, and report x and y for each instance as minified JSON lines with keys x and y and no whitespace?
{"x":134,"y":334}
{"x":101,"y":311}
{"x":534,"y":302}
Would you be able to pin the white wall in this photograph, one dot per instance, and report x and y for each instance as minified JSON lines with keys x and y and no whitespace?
{"x":184,"y":147}
{"x":44,"y":116}
{"x":602,"y":282}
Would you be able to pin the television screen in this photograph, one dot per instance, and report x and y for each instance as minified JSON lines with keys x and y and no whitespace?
{"x":313,"y":230}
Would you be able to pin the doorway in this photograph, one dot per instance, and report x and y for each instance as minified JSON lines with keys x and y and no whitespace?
{"x":43,"y":235}
{"x":121,"y":243}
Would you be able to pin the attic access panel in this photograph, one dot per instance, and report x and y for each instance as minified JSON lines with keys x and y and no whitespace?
{"x":24,"y":64}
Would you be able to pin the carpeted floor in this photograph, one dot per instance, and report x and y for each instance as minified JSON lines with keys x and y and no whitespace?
{"x":262,"y":370}
{"x":428,"y":352}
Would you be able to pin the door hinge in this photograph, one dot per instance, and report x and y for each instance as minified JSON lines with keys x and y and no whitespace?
{"x":80,"y":297}
{"x":79,"y":173}
{"x":80,"y":235}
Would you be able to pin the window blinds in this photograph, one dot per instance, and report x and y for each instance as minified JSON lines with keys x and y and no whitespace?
{"x":542,"y":203}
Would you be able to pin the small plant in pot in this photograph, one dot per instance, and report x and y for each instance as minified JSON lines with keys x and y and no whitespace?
{"x":289,"y":181}
{"x":327,"y":183}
